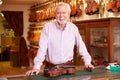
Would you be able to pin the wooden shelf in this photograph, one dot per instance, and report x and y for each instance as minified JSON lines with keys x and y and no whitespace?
{"x":99,"y":45}
{"x":42,"y":5}
{"x":33,"y":46}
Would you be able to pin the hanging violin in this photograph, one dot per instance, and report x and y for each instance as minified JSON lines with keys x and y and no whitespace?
{"x":92,"y":7}
{"x":114,"y":6}
{"x":109,"y":6}
{"x":72,"y":4}
{"x":79,"y":11}
{"x":88,"y":8}
{"x":95,"y":7}
{"x":118,"y":5}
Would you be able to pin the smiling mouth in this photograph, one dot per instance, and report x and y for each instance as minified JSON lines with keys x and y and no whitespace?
{"x":61,"y":19}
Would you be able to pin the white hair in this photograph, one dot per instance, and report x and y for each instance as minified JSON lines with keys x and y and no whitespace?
{"x":64,"y":4}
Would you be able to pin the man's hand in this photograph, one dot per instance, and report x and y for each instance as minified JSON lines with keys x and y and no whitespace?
{"x":89,"y":67}
{"x":32,"y":72}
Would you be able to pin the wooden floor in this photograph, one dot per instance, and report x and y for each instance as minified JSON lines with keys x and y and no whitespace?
{"x":7,"y":70}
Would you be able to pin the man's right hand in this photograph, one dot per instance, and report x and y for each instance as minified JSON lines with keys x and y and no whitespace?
{"x":32,"y":72}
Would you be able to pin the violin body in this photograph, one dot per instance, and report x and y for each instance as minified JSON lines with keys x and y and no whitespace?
{"x":53,"y":73}
{"x":113,"y":6}
{"x":79,"y":11}
{"x":60,"y":70}
{"x":109,"y":7}
{"x":92,"y":7}
{"x":95,"y":7}
{"x":118,"y":5}
{"x":73,"y":7}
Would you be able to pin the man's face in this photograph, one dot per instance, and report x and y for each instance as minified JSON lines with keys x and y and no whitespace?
{"x":62,"y":15}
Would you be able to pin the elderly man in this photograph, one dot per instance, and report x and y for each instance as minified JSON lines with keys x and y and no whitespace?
{"x":57,"y":42}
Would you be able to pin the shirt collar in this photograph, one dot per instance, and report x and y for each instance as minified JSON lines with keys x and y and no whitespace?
{"x":58,"y":26}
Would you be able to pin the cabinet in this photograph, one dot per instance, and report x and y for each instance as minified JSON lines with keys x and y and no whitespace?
{"x":11,"y":42}
{"x":10,"y":49}
{"x":102,"y":37}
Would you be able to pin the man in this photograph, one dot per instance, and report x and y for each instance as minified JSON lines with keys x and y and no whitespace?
{"x":57,"y":41}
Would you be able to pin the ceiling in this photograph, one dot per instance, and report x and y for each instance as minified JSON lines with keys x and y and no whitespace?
{"x":21,"y":2}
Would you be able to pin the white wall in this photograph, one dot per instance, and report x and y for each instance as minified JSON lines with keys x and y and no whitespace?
{"x":25,"y":9}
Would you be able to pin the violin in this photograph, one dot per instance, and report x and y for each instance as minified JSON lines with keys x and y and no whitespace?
{"x":32,"y":53}
{"x":88,"y":8}
{"x":60,"y":70}
{"x":32,"y":16}
{"x":109,"y":6}
{"x":79,"y":11}
{"x":92,"y":7}
{"x":38,"y":16}
{"x":114,"y":6}
{"x":118,"y":5}
{"x":95,"y":7}
{"x":72,"y":4}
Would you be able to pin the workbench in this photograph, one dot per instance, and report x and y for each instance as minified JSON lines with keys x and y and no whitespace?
{"x":96,"y":74}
